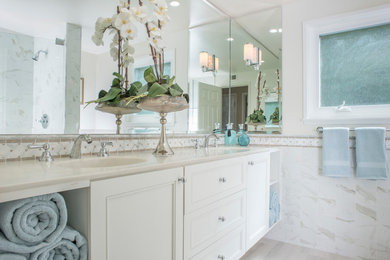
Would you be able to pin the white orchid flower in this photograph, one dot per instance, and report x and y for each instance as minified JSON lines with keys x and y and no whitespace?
{"x":123,"y":3}
{"x":122,"y":19}
{"x":128,"y":48}
{"x":154,"y":30}
{"x":161,"y":15}
{"x":97,"y":39}
{"x":161,"y":4}
{"x":140,"y":13}
{"x":156,"y":44}
{"x":127,"y":60}
{"x":114,"y":53}
{"x":129,"y":31}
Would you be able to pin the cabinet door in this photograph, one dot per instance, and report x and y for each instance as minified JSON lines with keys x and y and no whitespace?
{"x":258,"y":168}
{"x":138,"y":217}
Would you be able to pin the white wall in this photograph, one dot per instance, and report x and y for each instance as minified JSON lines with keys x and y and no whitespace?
{"x":293,"y":14}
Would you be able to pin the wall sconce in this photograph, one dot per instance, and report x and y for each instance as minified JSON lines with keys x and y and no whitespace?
{"x":208,"y":62}
{"x":253,"y":56}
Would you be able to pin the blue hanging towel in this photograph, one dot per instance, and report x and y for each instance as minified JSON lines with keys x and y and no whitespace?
{"x":335,"y":152}
{"x":371,"y":159}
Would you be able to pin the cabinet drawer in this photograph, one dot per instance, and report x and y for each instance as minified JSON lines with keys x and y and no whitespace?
{"x":207,"y":225}
{"x":231,"y":247}
{"x":209,"y":182}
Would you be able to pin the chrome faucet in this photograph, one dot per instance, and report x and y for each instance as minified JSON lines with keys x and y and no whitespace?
{"x":206,"y":142}
{"x":76,"y":149}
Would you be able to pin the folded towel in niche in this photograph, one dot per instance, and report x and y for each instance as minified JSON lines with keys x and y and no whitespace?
{"x":371,"y":159}
{"x":29,"y":224}
{"x":71,"y":245}
{"x":335,"y":152}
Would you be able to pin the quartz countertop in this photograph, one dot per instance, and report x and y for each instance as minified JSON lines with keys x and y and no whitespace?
{"x":19,"y":175}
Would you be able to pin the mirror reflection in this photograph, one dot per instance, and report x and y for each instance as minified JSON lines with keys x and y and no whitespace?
{"x":235,"y":74}
{"x":50,"y":68}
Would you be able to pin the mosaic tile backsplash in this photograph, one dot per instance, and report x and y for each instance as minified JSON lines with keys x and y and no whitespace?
{"x":15,"y":147}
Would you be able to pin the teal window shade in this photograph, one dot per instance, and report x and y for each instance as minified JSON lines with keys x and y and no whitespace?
{"x":355,"y":67}
{"x":139,"y":76}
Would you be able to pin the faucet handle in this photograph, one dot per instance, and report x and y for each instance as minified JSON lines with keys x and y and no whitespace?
{"x":46,"y":155}
{"x":104,"y":144}
{"x":103,"y":150}
{"x":197,"y":143}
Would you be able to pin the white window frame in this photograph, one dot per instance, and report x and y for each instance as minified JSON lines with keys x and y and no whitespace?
{"x":313,"y":113}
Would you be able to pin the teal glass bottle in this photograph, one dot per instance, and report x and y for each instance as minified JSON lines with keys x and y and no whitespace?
{"x":243,"y":138}
{"x":230,"y":135}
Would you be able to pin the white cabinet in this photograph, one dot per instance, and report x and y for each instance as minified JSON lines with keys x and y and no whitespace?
{"x":209,"y":182}
{"x":257,"y":199}
{"x":211,"y":223}
{"x":138,"y":217}
{"x":230,"y":247}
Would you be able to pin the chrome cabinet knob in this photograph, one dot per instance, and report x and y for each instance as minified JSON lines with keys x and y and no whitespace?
{"x":221,"y":257}
{"x":222,"y":179}
{"x":181,"y":180}
{"x":222,"y":219}
{"x":251,"y":163}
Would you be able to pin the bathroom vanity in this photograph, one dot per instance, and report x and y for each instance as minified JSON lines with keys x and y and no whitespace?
{"x":197,"y":204}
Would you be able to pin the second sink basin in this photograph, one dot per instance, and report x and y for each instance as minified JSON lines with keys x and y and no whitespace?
{"x":101,"y":162}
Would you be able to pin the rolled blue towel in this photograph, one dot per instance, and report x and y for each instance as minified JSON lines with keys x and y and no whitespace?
{"x":371,"y":159}
{"x":29,"y":224}
{"x":71,"y":245}
{"x":335,"y":152}
{"x":10,"y":256}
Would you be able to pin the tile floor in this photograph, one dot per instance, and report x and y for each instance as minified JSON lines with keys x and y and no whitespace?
{"x":267,"y":249}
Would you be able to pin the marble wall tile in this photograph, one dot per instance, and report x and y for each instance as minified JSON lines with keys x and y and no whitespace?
{"x":346,"y":216}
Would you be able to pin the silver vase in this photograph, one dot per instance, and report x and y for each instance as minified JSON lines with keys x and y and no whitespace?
{"x":163,"y":105}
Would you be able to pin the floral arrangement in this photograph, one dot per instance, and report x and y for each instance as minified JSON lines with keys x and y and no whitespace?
{"x":122,"y":26}
{"x":258,"y":114}
{"x":274,"y":118}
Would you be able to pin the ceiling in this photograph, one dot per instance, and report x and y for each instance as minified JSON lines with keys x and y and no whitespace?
{"x":47,"y":18}
{"x":236,"y":8}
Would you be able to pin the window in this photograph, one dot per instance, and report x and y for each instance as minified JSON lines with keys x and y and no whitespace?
{"x":347,"y":68}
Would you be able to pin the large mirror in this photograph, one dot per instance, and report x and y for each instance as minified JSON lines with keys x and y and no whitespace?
{"x":235,"y":74}
{"x":50,"y":68}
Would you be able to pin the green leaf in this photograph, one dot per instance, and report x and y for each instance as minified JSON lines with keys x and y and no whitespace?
{"x":171,"y":80}
{"x":102,"y":93}
{"x":165,"y":79}
{"x":149,"y":75}
{"x":112,"y":94}
{"x":177,"y":88}
{"x":134,"y":87}
{"x":174,"y":92}
{"x":116,"y":83}
{"x":142,"y":89}
{"x":119,"y":76}
{"x":137,"y":85}
{"x":115,"y":101}
{"x":156,"y":89}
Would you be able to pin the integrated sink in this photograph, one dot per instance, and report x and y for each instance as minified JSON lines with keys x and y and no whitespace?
{"x":101,"y":162}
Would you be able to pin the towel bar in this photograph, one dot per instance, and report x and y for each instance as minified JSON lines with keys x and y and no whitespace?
{"x":320,"y":129}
